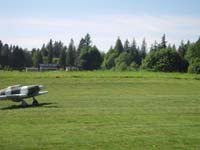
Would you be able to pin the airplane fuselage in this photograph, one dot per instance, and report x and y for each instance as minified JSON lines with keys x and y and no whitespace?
{"x":24,"y":91}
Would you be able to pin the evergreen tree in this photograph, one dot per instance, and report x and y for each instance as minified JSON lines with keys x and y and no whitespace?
{"x":169,"y":46}
{"x":85,"y":43}
{"x":109,"y":60}
{"x":163,"y":43}
{"x":28,"y":58}
{"x":90,"y":59}
{"x":134,"y":45}
{"x":143,"y":49}
{"x":70,"y":59}
{"x":133,"y":48}
{"x":118,"y":46}
{"x":18,"y":58}
{"x":58,"y":46}
{"x":5,"y":56}
{"x":154,"y":47}
{"x":81,"y":45}
{"x":174,"y":46}
{"x":37,"y":58}
{"x":134,"y":52}
{"x":193,"y":51}
{"x":50,"y":51}
{"x":44,"y":51}
{"x":126,"y":45}
{"x":87,"y":40}
{"x":182,"y":50}
{"x":62,"y":60}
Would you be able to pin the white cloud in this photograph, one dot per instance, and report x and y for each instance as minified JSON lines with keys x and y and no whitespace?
{"x":32,"y":32}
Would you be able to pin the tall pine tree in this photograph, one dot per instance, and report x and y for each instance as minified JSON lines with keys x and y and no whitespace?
{"x":18,"y":58}
{"x":143,"y":49}
{"x":6,"y":56}
{"x":50,"y":51}
{"x":126,"y":45}
{"x":62,"y":60}
{"x":118,"y":46}
{"x":70,"y":59}
{"x":37,"y":58}
{"x":163,"y":43}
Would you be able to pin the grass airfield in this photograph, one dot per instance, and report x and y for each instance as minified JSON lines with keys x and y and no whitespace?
{"x":103,"y":110}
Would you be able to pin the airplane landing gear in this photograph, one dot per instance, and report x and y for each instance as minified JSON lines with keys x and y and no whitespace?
{"x":24,"y":104}
{"x":35,"y":102}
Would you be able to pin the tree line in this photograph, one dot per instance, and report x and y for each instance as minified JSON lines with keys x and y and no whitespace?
{"x":129,"y":56}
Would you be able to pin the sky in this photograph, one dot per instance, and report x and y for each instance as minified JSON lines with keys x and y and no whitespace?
{"x":30,"y":23}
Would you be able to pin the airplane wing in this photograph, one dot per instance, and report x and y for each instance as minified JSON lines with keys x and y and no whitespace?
{"x":13,"y":96}
{"x":42,"y":92}
{"x":3,"y":97}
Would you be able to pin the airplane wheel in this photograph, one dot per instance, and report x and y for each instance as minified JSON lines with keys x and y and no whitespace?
{"x":35,"y":102}
{"x":24,"y":104}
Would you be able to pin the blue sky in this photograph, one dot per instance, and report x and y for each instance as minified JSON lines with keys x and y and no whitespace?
{"x":29,"y":23}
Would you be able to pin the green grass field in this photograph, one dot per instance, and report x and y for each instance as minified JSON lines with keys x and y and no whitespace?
{"x":104,"y":110}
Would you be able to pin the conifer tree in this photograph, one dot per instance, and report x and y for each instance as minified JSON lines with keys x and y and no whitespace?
{"x":163,"y":43}
{"x":62,"y":60}
{"x":70,"y":59}
{"x":143,"y":49}
{"x":50,"y":51}
{"x":126,"y":45}
{"x":118,"y":46}
{"x":37,"y":58}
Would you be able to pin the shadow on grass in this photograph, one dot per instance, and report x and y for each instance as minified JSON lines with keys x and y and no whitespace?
{"x":47,"y":105}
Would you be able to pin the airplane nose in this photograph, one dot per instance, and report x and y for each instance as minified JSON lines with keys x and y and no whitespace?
{"x":41,"y":87}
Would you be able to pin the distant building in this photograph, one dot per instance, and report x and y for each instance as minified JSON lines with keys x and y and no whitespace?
{"x":31,"y":69}
{"x":44,"y":67}
{"x":71,"y":68}
{"x":48,"y":67}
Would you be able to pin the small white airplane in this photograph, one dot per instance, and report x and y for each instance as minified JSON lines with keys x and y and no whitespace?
{"x":18,"y":93}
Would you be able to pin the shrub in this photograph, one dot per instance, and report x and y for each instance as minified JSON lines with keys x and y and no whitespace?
{"x":194,"y":66}
{"x":166,"y":60}
{"x":133,"y":66}
{"x":193,"y":57}
{"x":121,"y":67}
